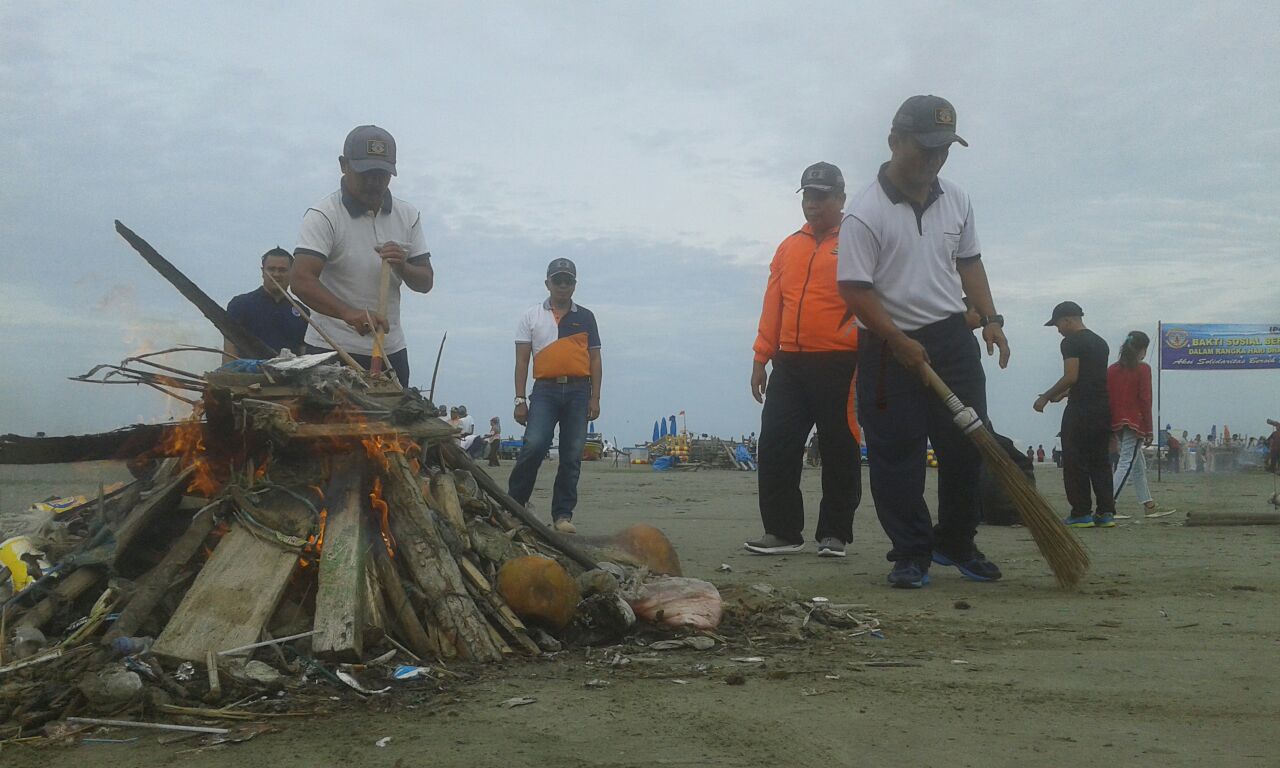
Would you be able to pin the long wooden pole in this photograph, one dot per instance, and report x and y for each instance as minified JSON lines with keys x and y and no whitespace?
{"x":431,"y":393}
{"x":1159,"y":367}
{"x":384,"y":286}
{"x":236,"y":333}
{"x":342,"y":355}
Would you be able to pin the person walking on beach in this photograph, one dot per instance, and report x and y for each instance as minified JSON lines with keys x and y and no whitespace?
{"x":563,"y":342}
{"x":1086,"y":427}
{"x":1129,"y":394}
{"x":909,"y":254}
{"x":808,"y":334}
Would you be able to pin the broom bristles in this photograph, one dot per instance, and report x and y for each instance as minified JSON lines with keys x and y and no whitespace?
{"x":1065,"y":554}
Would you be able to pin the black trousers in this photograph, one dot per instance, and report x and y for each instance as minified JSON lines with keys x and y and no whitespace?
{"x":808,"y":389}
{"x":399,"y":361}
{"x":1086,"y":462}
{"x":899,"y":418}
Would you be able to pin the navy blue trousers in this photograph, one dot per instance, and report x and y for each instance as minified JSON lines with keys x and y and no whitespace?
{"x":900,"y":416}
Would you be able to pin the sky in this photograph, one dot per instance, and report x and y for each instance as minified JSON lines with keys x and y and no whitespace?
{"x":1121,"y":155}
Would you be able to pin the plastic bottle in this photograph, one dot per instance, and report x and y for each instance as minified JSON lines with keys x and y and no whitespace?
{"x":132,"y":646}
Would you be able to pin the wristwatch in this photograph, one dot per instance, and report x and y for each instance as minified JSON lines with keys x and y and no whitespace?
{"x":522,"y":400}
{"x":987,"y":319}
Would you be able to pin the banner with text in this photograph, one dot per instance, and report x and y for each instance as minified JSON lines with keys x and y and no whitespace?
{"x":1219,"y":347}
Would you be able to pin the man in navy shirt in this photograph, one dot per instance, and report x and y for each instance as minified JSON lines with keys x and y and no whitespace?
{"x":266,"y":312}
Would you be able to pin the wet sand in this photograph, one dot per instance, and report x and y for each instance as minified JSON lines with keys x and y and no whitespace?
{"x":1165,"y":655}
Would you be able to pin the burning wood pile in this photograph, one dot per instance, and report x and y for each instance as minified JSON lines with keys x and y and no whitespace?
{"x":313,"y":504}
{"x":313,"y":514}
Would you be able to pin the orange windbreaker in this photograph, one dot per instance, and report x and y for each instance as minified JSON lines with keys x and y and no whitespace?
{"x":803,"y":311}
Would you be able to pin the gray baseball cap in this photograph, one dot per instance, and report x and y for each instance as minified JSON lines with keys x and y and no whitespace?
{"x":370,"y":148}
{"x":561,"y":267}
{"x":823,"y":177}
{"x":930,"y":119}
{"x":1065,"y":309}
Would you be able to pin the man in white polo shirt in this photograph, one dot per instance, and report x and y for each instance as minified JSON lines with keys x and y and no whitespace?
{"x":345,"y":239}
{"x":909,"y":255}
{"x":563,"y":342}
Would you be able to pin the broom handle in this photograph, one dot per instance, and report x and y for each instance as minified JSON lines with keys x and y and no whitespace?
{"x":962,"y":416}
{"x":307,"y":316}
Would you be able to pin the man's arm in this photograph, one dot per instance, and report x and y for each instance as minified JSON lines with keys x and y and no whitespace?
{"x":597,"y":370}
{"x":417,"y":275}
{"x":769,"y":328}
{"x":1070,"y":372}
{"x":523,"y":352}
{"x":305,"y":281}
{"x":973,"y":278}
{"x":866,"y":306}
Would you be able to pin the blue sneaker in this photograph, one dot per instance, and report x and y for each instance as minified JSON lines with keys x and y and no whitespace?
{"x":907,"y":574}
{"x":1104,"y":521}
{"x":976,"y":568}
{"x":1079,"y":521}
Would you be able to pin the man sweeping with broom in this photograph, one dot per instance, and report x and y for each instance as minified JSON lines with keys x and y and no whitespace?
{"x":909,"y":254}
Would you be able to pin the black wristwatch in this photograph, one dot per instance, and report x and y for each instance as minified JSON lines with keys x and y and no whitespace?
{"x":988,"y":319}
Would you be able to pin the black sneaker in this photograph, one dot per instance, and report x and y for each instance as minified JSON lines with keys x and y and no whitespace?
{"x":976,"y":568}
{"x":769,"y":544}
{"x":908,"y":574}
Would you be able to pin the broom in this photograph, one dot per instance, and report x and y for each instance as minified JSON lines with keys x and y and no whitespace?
{"x":1067,"y":558}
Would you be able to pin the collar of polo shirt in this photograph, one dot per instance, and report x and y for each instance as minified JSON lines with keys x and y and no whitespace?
{"x":546,"y":304}
{"x":356,"y":209}
{"x":895,"y":195}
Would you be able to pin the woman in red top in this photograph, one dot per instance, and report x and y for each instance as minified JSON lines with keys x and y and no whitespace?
{"x":1129,"y":389}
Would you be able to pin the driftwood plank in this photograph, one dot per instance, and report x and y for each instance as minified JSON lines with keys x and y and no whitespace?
{"x":238,"y":588}
{"x":164,"y":498}
{"x":415,"y":636}
{"x":340,"y":597}
{"x":428,"y":560}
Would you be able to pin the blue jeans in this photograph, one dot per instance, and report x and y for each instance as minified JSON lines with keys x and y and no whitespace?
{"x":551,"y":404}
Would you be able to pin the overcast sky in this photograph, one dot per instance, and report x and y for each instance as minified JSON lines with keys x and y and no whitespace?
{"x":1122,"y":155}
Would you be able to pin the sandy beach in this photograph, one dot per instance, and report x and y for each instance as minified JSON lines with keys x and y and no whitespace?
{"x":1164,"y":656}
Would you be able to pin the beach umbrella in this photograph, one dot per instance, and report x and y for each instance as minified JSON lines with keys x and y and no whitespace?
{"x":673,"y":425}
{"x":656,"y":436}
{"x":663,"y":422}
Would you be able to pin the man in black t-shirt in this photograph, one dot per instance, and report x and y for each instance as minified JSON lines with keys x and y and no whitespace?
{"x":1086,"y":421}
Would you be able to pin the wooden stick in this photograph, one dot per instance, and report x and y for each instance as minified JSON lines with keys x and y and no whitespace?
{"x":398,"y":602}
{"x":215,"y":684}
{"x":459,"y":457}
{"x":236,"y":333}
{"x":149,"y":726}
{"x":264,"y":643}
{"x":342,"y":355}
{"x":431,"y":394}
{"x":384,"y":285}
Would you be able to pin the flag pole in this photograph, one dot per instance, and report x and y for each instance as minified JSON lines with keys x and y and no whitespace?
{"x":1159,"y":420}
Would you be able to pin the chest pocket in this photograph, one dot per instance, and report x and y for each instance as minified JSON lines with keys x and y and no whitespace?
{"x":952,"y":242}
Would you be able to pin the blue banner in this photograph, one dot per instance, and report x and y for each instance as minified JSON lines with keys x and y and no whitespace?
{"x":1219,"y":347}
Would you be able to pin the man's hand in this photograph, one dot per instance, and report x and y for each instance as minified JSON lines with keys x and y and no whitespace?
{"x":759,"y":380}
{"x":521,"y":414}
{"x":993,"y":334}
{"x":593,"y":409}
{"x":1040,"y":403}
{"x":910,"y":353}
{"x":1146,"y":441}
{"x":365,"y":322}
{"x":392,"y":253}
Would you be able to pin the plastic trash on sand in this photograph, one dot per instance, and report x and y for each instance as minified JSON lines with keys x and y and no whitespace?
{"x":678,"y":602}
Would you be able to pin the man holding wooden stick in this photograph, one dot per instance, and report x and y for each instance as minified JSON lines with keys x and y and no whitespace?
{"x":346,"y":240}
{"x":909,"y":255}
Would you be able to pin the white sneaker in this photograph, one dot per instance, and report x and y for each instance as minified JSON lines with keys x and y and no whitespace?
{"x":831,"y":547}
{"x":564,"y":525}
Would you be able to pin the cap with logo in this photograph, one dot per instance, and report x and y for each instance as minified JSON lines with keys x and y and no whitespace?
{"x":1065,"y":309}
{"x":931,"y":120}
{"x":370,"y":148}
{"x":823,"y":177}
{"x":561,"y":267}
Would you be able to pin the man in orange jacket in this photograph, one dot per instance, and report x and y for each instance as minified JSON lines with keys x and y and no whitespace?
{"x":808,"y":332}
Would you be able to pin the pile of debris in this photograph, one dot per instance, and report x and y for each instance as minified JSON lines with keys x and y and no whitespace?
{"x":324,"y":520}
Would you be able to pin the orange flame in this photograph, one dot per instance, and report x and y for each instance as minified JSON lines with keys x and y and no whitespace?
{"x":380,"y":512}
{"x":186,"y":441}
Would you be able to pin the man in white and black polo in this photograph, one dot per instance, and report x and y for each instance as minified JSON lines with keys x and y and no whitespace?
{"x":909,"y":254}
{"x":345,"y":239}
{"x":562,"y":341}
